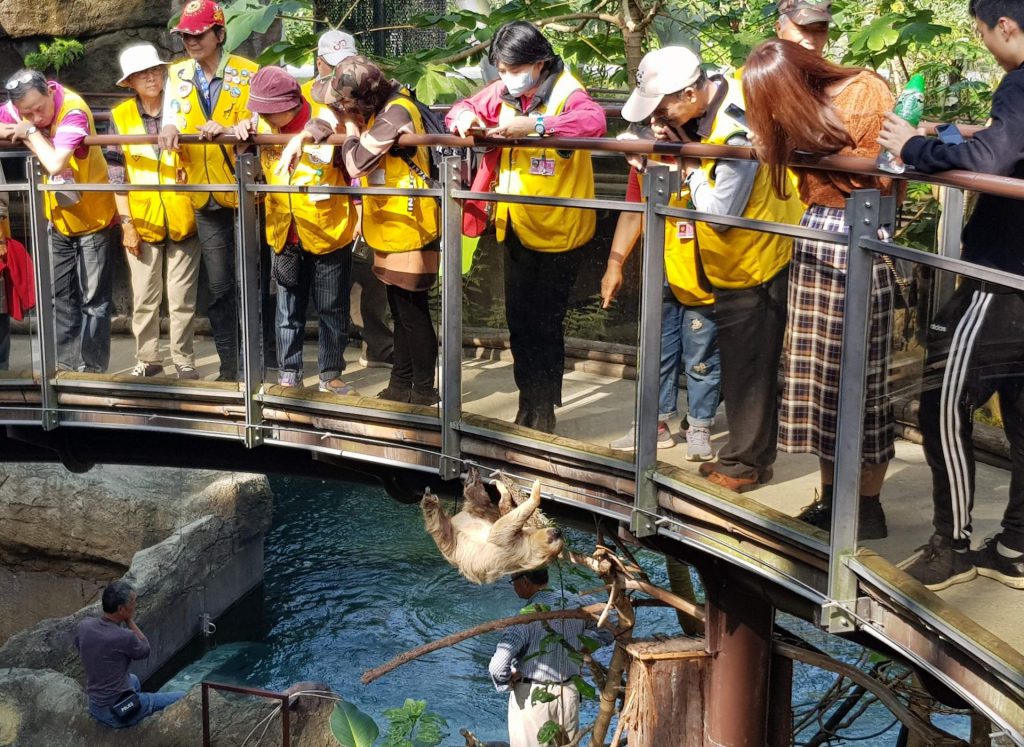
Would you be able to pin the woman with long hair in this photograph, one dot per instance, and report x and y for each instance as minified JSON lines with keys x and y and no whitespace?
{"x":799,"y":102}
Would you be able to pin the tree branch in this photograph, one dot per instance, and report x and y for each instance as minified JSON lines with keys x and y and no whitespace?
{"x":590,"y":612}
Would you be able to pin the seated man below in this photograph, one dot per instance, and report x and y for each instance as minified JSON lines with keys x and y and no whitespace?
{"x":108,"y":644}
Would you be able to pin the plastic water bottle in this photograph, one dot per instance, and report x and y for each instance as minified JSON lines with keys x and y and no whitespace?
{"x":909,"y":106}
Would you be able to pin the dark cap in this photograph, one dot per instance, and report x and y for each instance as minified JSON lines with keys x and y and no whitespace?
{"x":354,"y":78}
{"x":272,"y":90}
{"x":805,"y":12}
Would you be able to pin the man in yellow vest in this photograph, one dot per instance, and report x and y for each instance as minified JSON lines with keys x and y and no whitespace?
{"x":311,"y":234}
{"x":207,"y":94}
{"x":52,"y":121}
{"x":158,"y":229}
{"x":747,"y":269}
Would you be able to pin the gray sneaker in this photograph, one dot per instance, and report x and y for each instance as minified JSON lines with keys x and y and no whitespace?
{"x":938,"y":565}
{"x":186,"y":372}
{"x":698,"y":444}
{"x":628,"y":442}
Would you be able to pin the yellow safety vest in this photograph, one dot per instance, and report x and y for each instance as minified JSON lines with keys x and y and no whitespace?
{"x":544,"y":172}
{"x":156,"y":214}
{"x":681,"y":258}
{"x":743,"y":258}
{"x":400,"y":224}
{"x":324,"y":222}
{"x":210,"y":164}
{"x":94,"y":210}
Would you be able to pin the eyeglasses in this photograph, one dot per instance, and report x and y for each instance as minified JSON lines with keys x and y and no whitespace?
{"x":18,"y":80}
{"x":516,"y":578}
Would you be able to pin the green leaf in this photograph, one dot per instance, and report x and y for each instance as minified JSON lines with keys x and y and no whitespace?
{"x":548,"y":732}
{"x":540,"y":695}
{"x":351,"y":727}
{"x":590,"y":645}
{"x":587,"y":691}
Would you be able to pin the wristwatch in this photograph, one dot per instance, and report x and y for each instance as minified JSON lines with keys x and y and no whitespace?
{"x":538,"y":125}
{"x":127,"y":219}
{"x":30,"y":129}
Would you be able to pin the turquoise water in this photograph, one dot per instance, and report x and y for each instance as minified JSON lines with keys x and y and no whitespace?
{"x":352,"y":580}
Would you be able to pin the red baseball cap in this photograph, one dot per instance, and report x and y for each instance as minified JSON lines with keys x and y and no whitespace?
{"x":199,"y":16}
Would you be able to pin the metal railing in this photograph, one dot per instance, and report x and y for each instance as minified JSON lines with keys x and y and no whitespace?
{"x":282,"y":699}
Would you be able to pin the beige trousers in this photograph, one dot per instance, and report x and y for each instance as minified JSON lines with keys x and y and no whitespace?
{"x":525,"y":719}
{"x":182,"y":260}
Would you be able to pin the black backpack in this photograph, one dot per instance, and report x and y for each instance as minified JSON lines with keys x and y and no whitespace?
{"x":432,"y":125}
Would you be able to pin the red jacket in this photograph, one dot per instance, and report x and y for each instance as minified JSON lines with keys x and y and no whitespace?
{"x":19,"y":280}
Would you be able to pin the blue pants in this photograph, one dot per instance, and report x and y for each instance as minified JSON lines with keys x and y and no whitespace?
{"x":689,"y":338}
{"x":328,"y":276}
{"x":151,"y":703}
{"x":216,"y":229}
{"x":82,"y":282}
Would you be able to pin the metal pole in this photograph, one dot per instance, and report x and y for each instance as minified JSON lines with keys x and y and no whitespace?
{"x":739,"y":637}
{"x":206,"y":714}
{"x":286,"y":738}
{"x":451,"y":320}
{"x":951,"y":224}
{"x":658,"y":186}
{"x":45,"y":311}
{"x":863,"y":218}
{"x":247,"y":255}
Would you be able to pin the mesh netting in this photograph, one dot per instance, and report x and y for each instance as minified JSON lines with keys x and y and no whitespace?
{"x":369,"y":14}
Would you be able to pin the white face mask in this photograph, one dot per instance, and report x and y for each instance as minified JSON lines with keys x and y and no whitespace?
{"x":518,"y":83}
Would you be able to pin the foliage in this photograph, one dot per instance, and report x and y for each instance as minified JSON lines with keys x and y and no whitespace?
{"x":56,"y":55}
{"x":351,"y":727}
{"x":413,"y":725}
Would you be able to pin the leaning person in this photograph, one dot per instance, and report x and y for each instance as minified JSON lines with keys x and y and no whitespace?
{"x":537,"y":672}
{"x":797,"y":101}
{"x":976,"y":343}
{"x":158,"y":229}
{"x":206,"y":95}
{"x":373,"y":112}
{"x":108,"y":645}
{"x":747,"y":269}
{"x":311,"y":234}
{"x":537,"y":95}
{"x":52,"y":121}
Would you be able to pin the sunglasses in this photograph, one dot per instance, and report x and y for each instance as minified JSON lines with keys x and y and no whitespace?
{"x":18,"y":80}
{"x":516,"y":578}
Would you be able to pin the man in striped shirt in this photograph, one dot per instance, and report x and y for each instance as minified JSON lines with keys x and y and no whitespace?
{"x":528,"y":659}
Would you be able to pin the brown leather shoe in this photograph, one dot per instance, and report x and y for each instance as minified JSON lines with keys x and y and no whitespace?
{"x":709,"y":470}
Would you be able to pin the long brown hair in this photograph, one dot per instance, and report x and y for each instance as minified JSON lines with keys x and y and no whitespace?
{"x":788,"y":107}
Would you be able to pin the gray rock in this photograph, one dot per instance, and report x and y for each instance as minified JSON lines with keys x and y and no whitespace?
{"x":45,"y":708}
{"x":80,"y":17}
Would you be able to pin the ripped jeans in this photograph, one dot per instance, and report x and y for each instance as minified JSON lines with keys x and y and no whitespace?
{"x":689,"y":339}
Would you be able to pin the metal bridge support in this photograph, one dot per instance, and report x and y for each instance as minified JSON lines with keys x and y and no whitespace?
{"x":45,"y":312}
{"x":451,"y":321}
{"x":739,"y":638}
{"x":248,"y":244}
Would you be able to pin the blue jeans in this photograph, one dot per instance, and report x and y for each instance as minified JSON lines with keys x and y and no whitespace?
{"x":151,"y":703}
{"x":328,"y":276}
{"x":82,"y":282}
{"x":216,"y":229}
{"x":689,"y":338}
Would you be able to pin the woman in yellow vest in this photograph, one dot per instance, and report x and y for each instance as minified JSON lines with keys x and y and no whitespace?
{"x":746,"y":268}
{"x":158,"y":229}
{"x":311,"y":235}
{"x":207,"y":94}
{"x":537,"y":95}
{"x":402,"y":231}
{"x":52,"y":121}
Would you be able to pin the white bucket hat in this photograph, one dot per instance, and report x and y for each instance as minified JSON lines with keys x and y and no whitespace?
{"x":335,"y":46}
{"x":137,"y":58}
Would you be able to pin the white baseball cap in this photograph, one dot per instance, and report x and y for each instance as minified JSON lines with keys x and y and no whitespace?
{"x":137,"y":58}
{"x":334,"y":46}
{"x":663,"y":71}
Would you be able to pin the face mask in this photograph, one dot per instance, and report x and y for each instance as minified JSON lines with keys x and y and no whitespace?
{"x":518,"y":83}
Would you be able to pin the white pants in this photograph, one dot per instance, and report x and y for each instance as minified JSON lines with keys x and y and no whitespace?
{"x":182,"y":259}
{"x":525,"y":719}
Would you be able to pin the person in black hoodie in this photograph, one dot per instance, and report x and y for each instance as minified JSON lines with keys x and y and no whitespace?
{"x":976,"y":343}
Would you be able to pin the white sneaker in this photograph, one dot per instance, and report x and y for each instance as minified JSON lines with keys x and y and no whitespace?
{"x":627,"y":442}
{"x":147,"y":370}
{"x":698,"y":444}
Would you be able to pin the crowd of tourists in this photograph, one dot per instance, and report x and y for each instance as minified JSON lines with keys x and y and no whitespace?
{"x":739,"y":305}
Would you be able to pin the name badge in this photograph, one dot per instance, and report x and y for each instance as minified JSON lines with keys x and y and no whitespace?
{"x":542,"y":166}
{"x":684,"y":229}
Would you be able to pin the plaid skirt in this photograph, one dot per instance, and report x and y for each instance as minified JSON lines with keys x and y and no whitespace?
{"x":810,"y":395}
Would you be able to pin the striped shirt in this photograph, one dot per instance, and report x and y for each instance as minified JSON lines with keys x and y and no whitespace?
{"x":524,"y":651}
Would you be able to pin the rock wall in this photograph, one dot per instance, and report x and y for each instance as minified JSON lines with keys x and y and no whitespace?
{"x":44,"y":709}
{"x":64,"y":536}
{"x":103,"y":27}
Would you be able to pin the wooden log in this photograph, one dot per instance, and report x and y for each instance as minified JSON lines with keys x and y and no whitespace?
{"x":665,"y":695}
